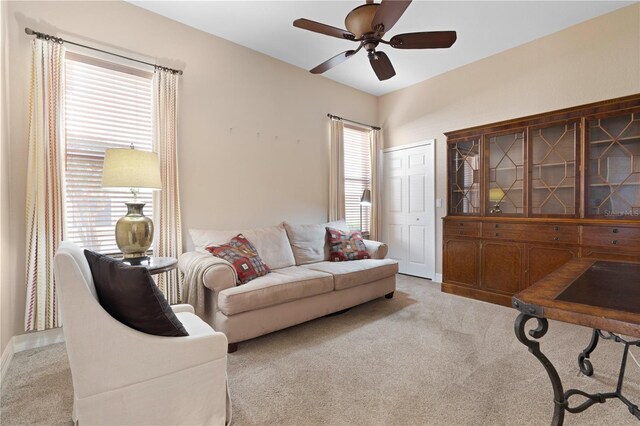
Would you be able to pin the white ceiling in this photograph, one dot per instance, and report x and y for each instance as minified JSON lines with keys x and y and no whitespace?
{"x":484,"y":28}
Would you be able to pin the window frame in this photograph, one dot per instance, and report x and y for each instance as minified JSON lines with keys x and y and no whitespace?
{"x":360,"y":182}
{"x":101,"y":237}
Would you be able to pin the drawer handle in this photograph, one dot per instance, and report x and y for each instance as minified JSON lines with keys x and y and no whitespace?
{"x":461,"y":224}
{"x":556,"y":228}
{"x":497,"y":225}
{"x":556,"y":238}
{"x":614,"y":242}
{"x":497,"y":234}
{"x":615,"y":230}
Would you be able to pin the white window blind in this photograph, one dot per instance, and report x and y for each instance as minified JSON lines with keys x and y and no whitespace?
{"x":357,"y":176}
{"x":105,"y":107}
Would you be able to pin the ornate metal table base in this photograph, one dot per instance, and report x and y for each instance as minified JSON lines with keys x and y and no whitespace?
{"x":561,"y":398}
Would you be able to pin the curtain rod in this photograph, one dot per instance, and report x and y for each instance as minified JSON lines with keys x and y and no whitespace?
{"x":48,"y":37}
{"x":352,"y":121}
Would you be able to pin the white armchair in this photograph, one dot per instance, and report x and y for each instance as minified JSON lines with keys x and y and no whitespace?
{"x":123,"y":376}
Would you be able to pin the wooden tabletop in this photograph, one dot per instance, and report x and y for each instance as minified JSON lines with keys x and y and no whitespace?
{"x":588,"y":292}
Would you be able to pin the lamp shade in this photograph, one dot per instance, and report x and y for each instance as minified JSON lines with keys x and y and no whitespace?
{"x":496,"y":195}
{"x":131,"y":168}
{"x":365,"y":200}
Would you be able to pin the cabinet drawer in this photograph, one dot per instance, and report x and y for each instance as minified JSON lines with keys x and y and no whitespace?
{"x":602,"y":253}
{"x":462,"y":229}
{"x":503,"y":231}
{"x":539,"y":232}
{"x":552,"y":233}
{"x":627,"y":239}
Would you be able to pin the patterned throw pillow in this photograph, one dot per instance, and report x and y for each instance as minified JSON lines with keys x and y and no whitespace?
{"x":346,"y":245}
{"x":243,"y":256}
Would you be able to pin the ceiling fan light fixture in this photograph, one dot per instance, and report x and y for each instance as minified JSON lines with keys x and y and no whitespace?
{"x":358,"y":21}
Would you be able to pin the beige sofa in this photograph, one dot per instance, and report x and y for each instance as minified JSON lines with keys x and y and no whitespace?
{"x":302,"y":284}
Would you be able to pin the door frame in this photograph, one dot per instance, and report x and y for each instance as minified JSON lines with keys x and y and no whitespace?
{"x":431,"y":174}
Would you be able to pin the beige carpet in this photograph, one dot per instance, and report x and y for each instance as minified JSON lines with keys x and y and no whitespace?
{"x":423,"y":357}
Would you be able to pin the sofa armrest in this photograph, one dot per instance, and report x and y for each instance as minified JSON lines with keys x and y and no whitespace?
{"x":182,"y":308}
{"x":376,"y":249}
{"x":216,"y":274}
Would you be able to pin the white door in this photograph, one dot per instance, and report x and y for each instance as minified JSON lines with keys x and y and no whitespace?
{"x":408,"y":219}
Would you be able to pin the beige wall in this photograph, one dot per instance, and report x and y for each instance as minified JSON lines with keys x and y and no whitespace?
{"x":253,"y":130}
{"x":7,"y":286}
{"x":596,"y":60}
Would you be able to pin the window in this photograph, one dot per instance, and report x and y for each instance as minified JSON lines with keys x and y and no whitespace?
{"x":106,"y":106}
{"x":357,"y":177}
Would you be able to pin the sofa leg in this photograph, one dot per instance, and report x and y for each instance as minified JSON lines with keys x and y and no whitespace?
{"x":389,"y":295}
{"x":232,"y":348}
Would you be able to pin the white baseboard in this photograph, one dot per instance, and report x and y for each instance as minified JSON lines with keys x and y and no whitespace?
{"x":7,"y":356}
{"x":438,"y":278}
{"x":37,"y":339}
{"x":23,"y":342}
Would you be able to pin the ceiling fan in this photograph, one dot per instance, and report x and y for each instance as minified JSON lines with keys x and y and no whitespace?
{"x":367,"y":24}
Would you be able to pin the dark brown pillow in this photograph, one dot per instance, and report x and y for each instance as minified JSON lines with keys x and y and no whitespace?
{"x":129,"y":295}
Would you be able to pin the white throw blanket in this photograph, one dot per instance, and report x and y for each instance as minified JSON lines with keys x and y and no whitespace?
{"x":194,"y":272}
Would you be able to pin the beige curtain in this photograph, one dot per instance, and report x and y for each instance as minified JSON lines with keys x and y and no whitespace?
{"x":375,"y":139}
{"x":44,"y":209}
{"x":336,"y":171}
{"x":166,"y":203}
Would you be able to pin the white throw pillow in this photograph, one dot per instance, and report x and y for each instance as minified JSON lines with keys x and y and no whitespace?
{"x":271,"y":242}
{"x":309,"y":242}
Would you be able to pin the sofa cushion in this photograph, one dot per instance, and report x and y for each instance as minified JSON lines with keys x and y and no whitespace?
{"x":345,"y":246}
{"x":283,"y":285}
{"x":271,"y":242}
{"x":309,"y":242}
{"x":243,"y":256}
{"x":129,"y":294}
{"x":351,"y":274}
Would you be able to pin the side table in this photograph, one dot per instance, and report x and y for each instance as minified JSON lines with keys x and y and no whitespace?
{"x":155,"y":264}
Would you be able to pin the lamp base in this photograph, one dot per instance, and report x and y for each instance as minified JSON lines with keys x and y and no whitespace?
{"x":134,"y":232}
{"x":136,"y":261}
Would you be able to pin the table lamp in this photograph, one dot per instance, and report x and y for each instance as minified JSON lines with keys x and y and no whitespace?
{"x":133,"y":169}
{"x":365,"y":200}
{"x":495,"y":196}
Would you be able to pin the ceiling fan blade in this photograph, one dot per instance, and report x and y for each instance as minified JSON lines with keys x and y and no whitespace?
{"x":424,"y":40}
{"x":388,"y":14}
{"x":317,"y":27}
{"x":336,"y":60}
{"x":382,"y":66}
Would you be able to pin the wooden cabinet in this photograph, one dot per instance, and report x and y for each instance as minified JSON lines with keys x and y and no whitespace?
{"x":527,"y":195}
{"x":553,"y":169}
{"x":543,"y":260}
{"x":463,"y":229}
{"x":612,"y":149}
{"x":618,"y":238}
{"x":462,"y":262}
{"x":464,"y":176}
{"x":505,"y":173}
{"x":502,"y":266}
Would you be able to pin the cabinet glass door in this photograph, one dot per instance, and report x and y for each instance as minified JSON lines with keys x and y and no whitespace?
{"x":553,"y":170}
{"x":464,"y":179}
{"x":613,"y":179}
{"x":506,"y":174}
